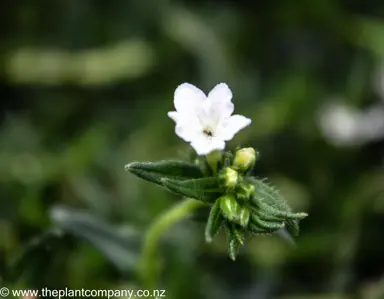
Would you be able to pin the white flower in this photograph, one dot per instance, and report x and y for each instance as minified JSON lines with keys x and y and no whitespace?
{"x":205,"y":121}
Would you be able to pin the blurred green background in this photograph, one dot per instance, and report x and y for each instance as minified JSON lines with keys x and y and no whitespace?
{"x":85,"y":87}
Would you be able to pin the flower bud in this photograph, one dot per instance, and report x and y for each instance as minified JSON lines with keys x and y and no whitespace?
{"x":245,"y":159}
{"x":245,"y":191}
{"x":244,"y":216}
{"x":229,"y":177}
{"x":230,"y":207}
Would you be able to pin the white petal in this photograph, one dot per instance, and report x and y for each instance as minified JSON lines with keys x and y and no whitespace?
{"x":219,"y":101}
{"x":174,"y":116}
{"x":217,"y":144}
{"x":221,"y":91}
{"x":204,"y":145}
{"x":187,"y":98}
{"x":231,"y":126}
{"x":188,"y":128}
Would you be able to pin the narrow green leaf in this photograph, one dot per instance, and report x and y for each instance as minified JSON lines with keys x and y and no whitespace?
{"x":293,"y":226}
{"x":204,"y":189}
{"x":280,"y":213}
{"x":122,"y":249}
{"x":235,"y":240}
{"x":156,"y":171}
{"x":269,"y":195}
{"x":239,"y":234}
{"x":233,"y":248}
{"x":214,"y":223}
{"x":268,"y":199}
{"x":264,"y":215}
{"x":256,"y":230}
{"x":267,"y":225}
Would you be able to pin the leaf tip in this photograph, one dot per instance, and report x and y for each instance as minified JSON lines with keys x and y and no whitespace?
{"x":302,"y":215}
{"x":130,"y":166}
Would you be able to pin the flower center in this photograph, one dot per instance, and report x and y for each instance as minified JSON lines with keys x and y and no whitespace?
{"x":208,"y":132}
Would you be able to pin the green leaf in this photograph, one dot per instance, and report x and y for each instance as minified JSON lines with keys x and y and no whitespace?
{"x":204,"y":189}
{"x":293,"y":225}
{"x":269,"y":195}
{"x":239,"y":234}
{"x":121,"y":249}
{"x":270,"y":201}
{"x":256,"y":230}
{"x":214,"y":223}
{"x":235,"y":240}
{"x":279,"y":213}
{"x":271,"y":208}
{"x":266,"y":225}
{"x":264,"y":215}
{"x":156,"y":171}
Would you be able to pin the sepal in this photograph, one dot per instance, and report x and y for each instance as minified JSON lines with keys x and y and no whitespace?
{"x":244,"y":216}
{"x":235,"y":237}
{"x":230,"y":207}
{"x":214,"y":222}
{"x":229,"y":178}
{"x":244,"y":192}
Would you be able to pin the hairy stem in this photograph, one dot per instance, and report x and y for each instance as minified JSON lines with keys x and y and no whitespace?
{"x":148,"y":266}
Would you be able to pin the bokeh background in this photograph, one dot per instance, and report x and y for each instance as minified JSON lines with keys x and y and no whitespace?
{"x":85,"y":87}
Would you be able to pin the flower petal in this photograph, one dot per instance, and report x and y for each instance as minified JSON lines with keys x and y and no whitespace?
{"x":188,"y":128}
{"x":187,"y":98}
{"x":231,"y":126}
{"x":219,"y":101}
{"x":174,"y":116}
{"x":203,"y":145}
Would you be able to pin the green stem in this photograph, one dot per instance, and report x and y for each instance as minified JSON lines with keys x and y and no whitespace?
{"x":213,"y":160}
{"x":148,"y":266}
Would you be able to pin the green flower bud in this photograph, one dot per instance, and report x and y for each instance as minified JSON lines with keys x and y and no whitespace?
{"x":244,"y":216}
{"x":245,"y":191}
{"x":245,"y":159}
{"x":229,"y":177}
{"x":230,"y":207}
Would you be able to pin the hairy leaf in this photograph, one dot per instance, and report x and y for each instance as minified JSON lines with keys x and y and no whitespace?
{"x":156,"y":171}
{"x":266,"y":209}
{"x":204,"y":189}
{"x":269,"y":195}
{"x":235,"y":240}
{"x":267,"y":225}
{"x":214,"y":223}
